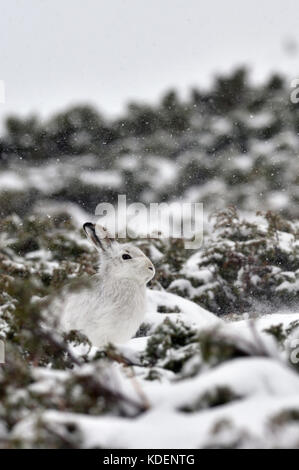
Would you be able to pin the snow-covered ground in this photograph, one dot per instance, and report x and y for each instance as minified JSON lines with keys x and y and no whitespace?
{"x":215,"y":362}
{"x":179,"y":415}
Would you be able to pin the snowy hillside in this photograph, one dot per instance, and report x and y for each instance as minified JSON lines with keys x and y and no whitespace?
{"x":209,"y":368}
{"x":236,"y":143}
{"x":215,"y":362}
{"x":149,"y":230}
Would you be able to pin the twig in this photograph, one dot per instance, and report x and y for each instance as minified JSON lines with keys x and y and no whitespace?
{"x":97,"y":386}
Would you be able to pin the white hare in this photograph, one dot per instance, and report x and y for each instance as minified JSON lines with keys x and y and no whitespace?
{"x":113,"y":307}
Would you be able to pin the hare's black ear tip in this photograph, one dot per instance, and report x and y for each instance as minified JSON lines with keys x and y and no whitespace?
{"x":88,"y":226}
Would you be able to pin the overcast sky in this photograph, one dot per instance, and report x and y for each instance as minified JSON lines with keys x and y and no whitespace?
{"x":55,"y":53}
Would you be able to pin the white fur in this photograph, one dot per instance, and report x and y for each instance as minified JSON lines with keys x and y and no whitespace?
{"x":113,"y":307}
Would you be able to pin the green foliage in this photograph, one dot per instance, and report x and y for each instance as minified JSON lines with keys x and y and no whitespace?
{"x":43,"y":257}
{"x":217,"y":397}
{"x":247,"y":262}
{"x":172,"y":345}
{"x":287,"y":416}
{"x":234,"y":144}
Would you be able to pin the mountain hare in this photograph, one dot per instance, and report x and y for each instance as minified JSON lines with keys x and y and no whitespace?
{"x":113,"y":308}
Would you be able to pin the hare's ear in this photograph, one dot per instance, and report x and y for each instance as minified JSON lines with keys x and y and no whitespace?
{"x":98,"y":235}
{"x":104,"y":236}
{"x":89,"y":230}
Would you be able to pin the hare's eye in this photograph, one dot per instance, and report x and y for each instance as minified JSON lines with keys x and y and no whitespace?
{"x":126,"y":256}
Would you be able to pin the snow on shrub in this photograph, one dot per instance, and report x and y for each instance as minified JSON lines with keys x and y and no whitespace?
{"x":57,"y":390}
